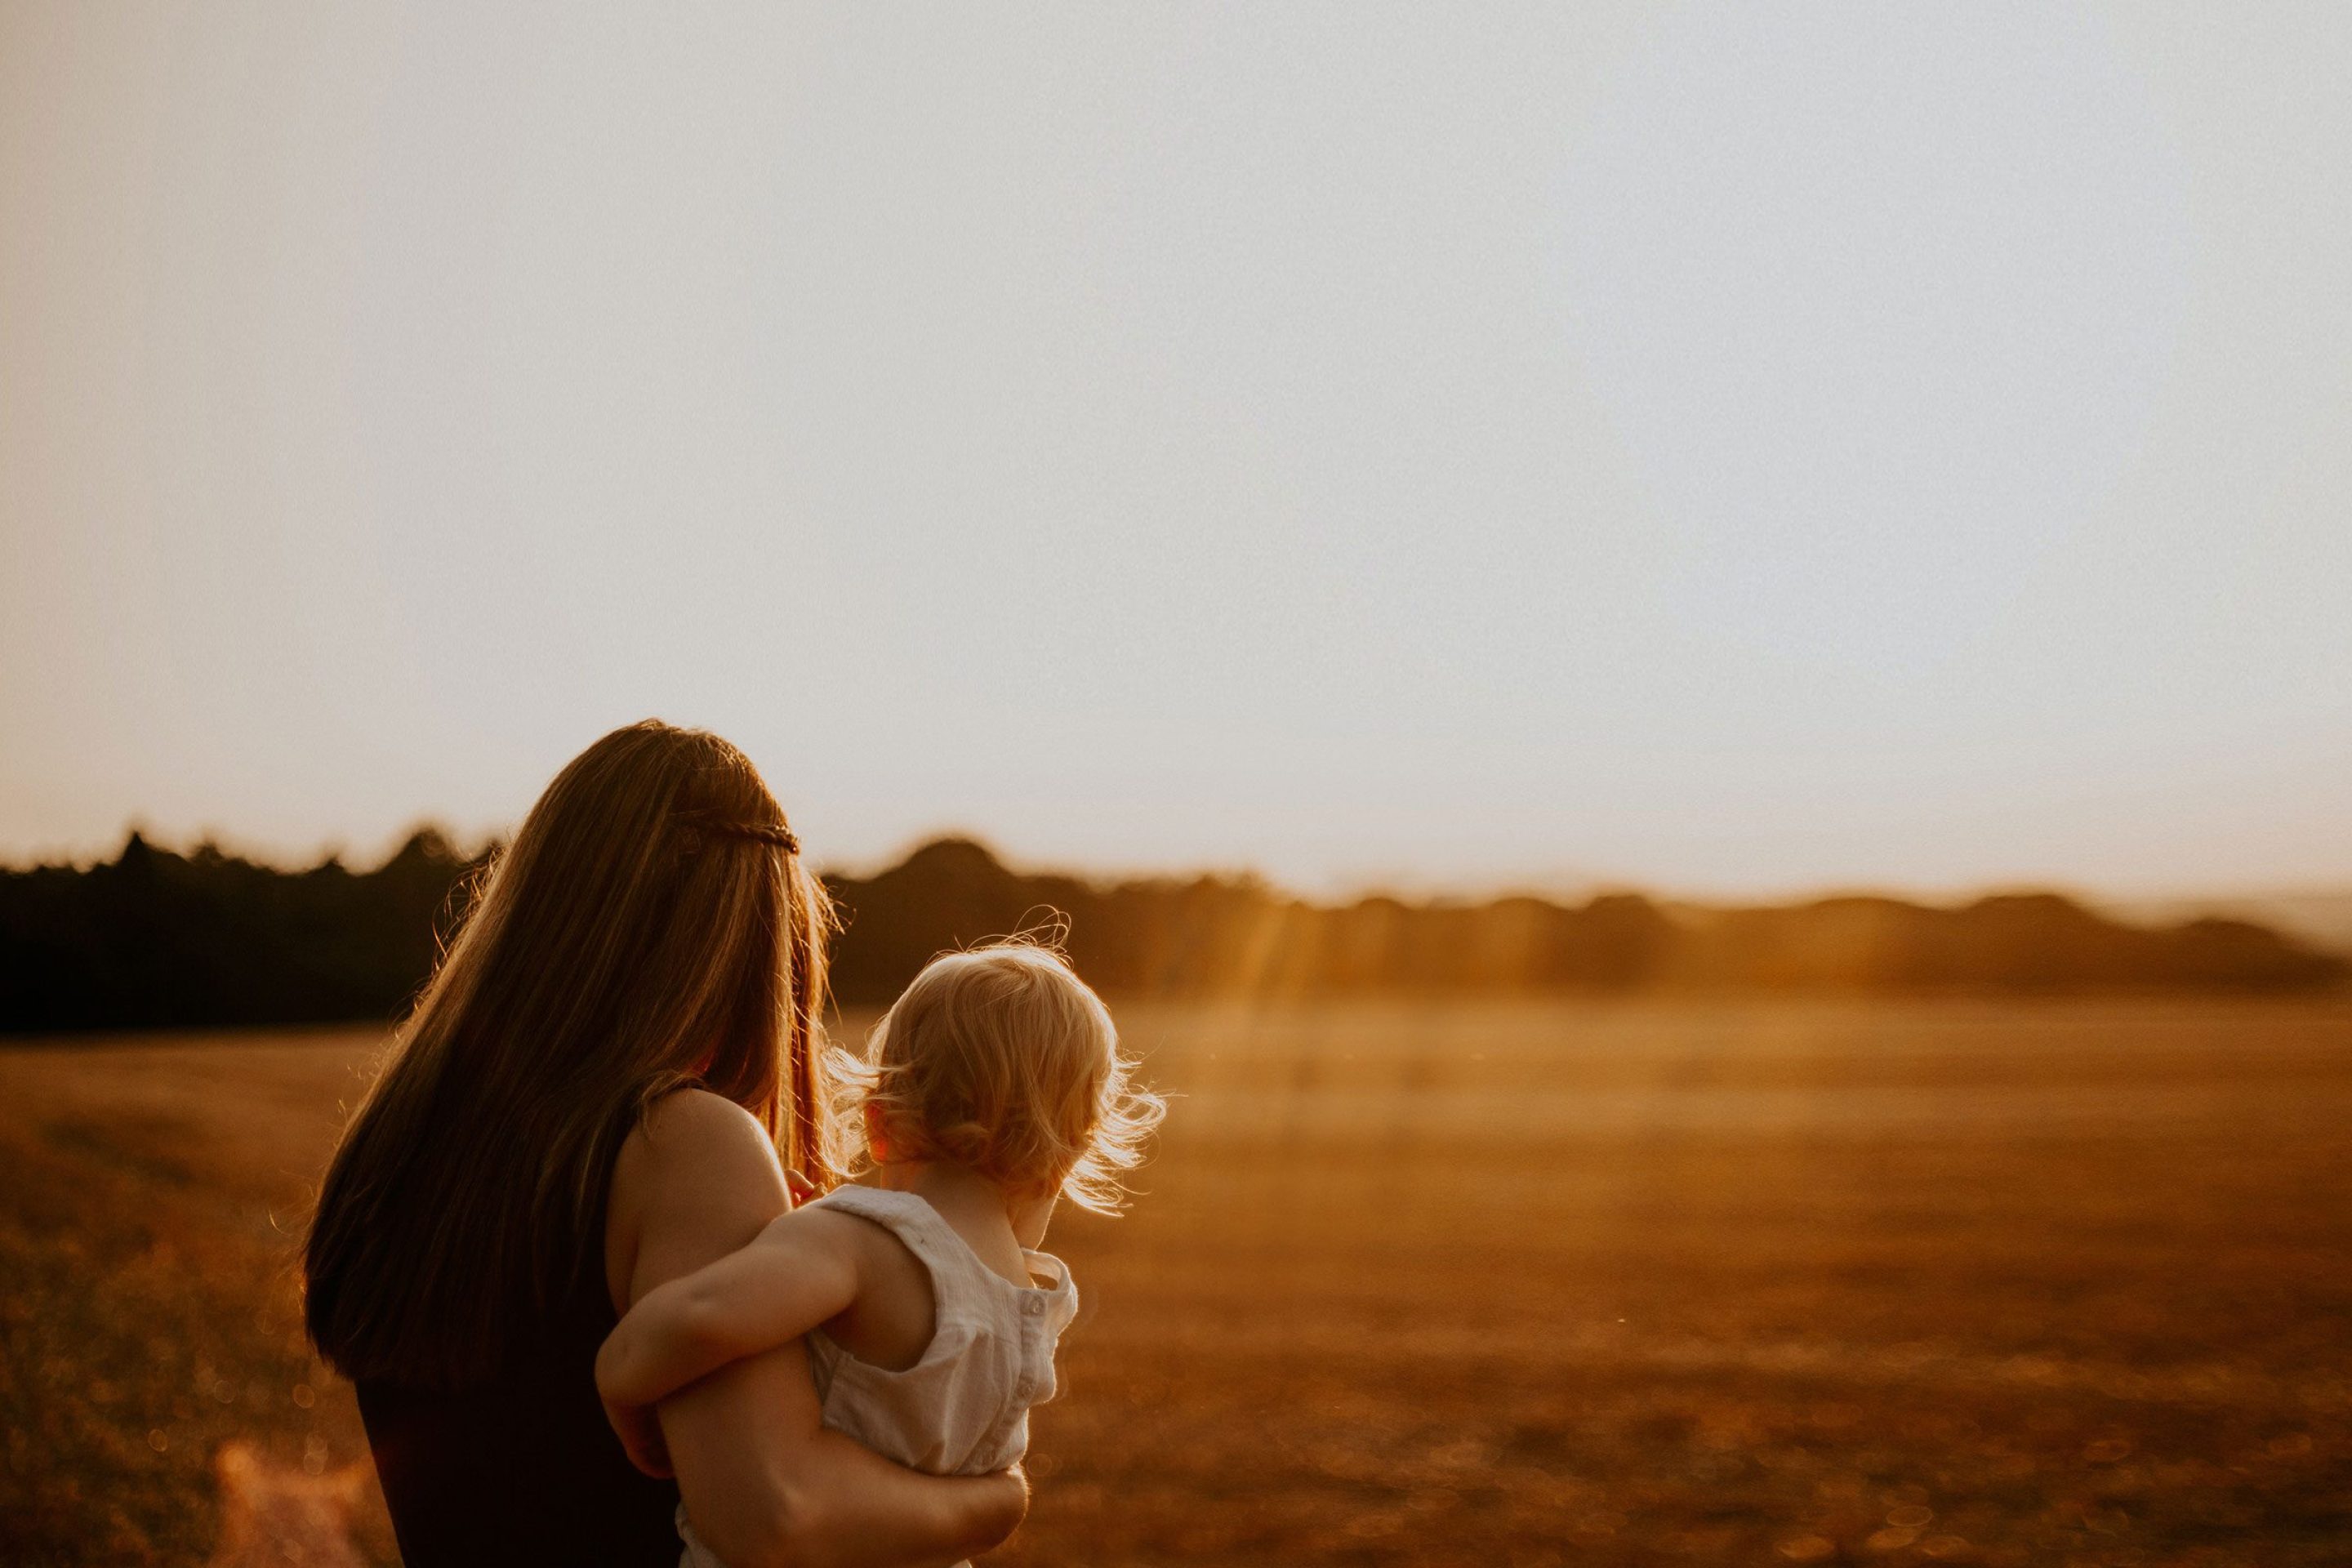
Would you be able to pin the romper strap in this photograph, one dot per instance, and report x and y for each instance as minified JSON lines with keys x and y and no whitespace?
{"x":1058,"y":1298}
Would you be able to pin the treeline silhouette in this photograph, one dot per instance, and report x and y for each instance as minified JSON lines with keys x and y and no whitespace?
{"x":156,"y":939}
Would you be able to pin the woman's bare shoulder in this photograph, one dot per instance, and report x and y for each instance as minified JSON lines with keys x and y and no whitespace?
{"x":692,"y":1135}
{"x":697,"y":1178}
{"x":686,"y":1118}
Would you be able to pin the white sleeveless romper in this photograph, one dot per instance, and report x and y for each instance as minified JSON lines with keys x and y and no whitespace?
{"x":963,"y":1408}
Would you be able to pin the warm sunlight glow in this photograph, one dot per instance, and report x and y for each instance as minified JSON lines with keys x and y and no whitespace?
{"x":1731,"y":450}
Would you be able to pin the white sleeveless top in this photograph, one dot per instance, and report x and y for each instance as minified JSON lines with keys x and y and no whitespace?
{"x":963,"y":1408}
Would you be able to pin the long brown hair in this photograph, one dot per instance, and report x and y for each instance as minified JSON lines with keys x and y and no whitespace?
{"x":652,"y":926}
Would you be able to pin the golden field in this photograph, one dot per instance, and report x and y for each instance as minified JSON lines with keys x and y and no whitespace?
{"x":1494,"y":1283}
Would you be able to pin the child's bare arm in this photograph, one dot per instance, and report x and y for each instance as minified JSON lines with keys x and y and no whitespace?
{"x":800,"y":1271}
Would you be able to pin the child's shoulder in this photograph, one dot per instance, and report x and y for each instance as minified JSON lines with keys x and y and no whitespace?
{"x":833,"y":1228}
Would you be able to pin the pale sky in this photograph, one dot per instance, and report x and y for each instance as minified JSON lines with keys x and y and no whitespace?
{"x":1731,"y":448}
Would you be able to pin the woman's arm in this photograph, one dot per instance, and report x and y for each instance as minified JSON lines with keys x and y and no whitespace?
{"x":767,"y":1485}
{"x":801,"y":1271}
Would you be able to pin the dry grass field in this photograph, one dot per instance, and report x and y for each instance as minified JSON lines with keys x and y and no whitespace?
{"x":1496,"y":1284}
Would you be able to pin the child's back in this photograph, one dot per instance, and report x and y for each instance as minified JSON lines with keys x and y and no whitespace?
{"x":956,"y":1403}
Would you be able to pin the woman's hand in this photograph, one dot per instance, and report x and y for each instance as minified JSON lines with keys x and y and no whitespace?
{"x":1016,"y":1501}
{"x":1002,"y":1513}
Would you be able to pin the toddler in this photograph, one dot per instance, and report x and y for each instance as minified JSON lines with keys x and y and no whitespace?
{"x":992,"y":1087}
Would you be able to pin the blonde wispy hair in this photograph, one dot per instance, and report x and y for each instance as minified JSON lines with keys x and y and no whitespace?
{"x":1001,"y":1059}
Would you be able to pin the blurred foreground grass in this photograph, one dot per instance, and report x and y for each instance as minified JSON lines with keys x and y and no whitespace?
{"x":1517,"y":1284}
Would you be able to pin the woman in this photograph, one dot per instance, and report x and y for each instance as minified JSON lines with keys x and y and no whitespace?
{"x":589,"y":1100}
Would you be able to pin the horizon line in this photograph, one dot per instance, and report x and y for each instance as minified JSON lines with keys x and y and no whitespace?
{"x":1411,"y":889}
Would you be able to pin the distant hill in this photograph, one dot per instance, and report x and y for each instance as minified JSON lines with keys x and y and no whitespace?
{"x":1217,"y":936}
{"x":156,"y":939}
{"x":2318,"y":919}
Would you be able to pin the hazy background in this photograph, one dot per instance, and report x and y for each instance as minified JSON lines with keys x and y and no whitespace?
{"x":1731,"y":450}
